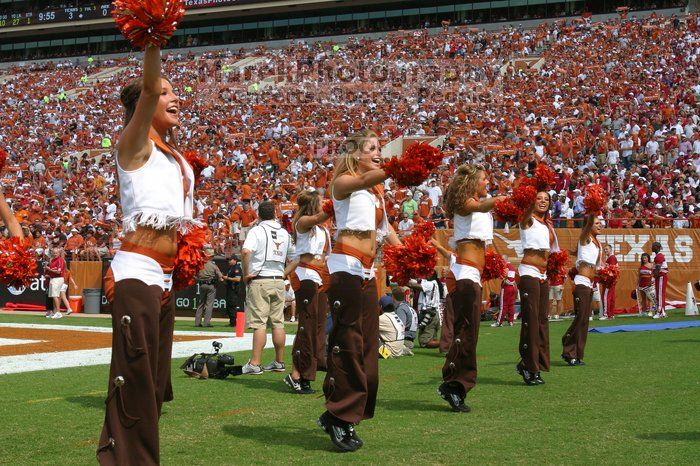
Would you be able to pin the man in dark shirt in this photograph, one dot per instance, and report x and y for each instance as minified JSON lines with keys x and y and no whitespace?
{"x":235,"y":291}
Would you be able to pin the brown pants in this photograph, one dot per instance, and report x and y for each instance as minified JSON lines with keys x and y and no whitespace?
{"x":446,"y":332}
{"x":534,"y":332}
{"x":139,"y":375}
{"x":305,"y":348}
{"x":321,"y":331}
{"x":352,"y":379}
{"x":574,"y":340}
{"x":459,"y":370}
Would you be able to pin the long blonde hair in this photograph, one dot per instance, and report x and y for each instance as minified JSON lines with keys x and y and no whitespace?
{"x":463,"y":186}
{"x":308,"y":202}
{"x":346,"y":163}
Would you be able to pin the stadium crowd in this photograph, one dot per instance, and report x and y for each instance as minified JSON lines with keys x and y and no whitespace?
{"x":620,"y":109}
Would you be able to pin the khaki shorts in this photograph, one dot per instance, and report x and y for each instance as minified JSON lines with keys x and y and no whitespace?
{"x":55,"y":285}
{"x":264,"y":301}
{"x":555,"y":292}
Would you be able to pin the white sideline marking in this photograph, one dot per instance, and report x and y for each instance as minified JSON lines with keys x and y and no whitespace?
{"x":84,"y":328}
{"x":94,"y":357}
{"x":17,"y":341}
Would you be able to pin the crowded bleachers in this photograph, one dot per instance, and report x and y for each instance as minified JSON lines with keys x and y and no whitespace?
{"x":619,"y":108}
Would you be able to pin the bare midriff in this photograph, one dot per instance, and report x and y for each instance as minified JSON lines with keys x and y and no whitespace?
{"x":311,"y":260}
{"x":586,"y":270}
{"x":535,"y":257}
{"x":472,"y":250}
{"x":363,"y":241}
{"x":162,"y":241}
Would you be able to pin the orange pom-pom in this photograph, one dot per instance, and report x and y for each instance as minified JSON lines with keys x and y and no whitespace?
{"x":512,"y":210}
{"x":190,"y":257}
{"x":148,"y":21}
{"x":415,"y":165}
{"x":543,"y":177}
{"x":557,"y":264}
{"x":608,"y":275}
{"x":507,"y":211}
{"x":415,"y":258}
{"x":328,"y":208}
{"x":423,"y":230}
{"x":17,"y":262}
{"x":524,"y":194}
{"x":595,"y":199}
{"x":494,"y":266}
{"x":196,"y":162}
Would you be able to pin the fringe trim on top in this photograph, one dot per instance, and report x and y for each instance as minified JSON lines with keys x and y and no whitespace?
{"x":158,"y":221}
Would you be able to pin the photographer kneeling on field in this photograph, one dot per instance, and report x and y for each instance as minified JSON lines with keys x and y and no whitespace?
{"x":430,"y":294}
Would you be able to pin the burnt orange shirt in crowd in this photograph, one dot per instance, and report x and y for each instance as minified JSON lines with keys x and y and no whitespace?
{"x":247,"y":217}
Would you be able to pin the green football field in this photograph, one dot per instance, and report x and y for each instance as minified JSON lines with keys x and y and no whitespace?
{"x":636,"y":401}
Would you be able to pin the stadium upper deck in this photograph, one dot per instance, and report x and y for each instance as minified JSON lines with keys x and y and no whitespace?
{"x":31,"y":29}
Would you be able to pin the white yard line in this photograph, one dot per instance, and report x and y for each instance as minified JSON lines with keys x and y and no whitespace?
{"x":17,"y":341}
{"x":84,"y":328}
{"x":94,"y":357}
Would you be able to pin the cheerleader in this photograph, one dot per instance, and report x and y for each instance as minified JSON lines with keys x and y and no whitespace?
{"x":156,"y":186}
{"x":352,"y":376}
{"x":309,"y":282}
{"x":588,"y":260}
{"x":645,"y":293}
{"x":466,"y":203}
{"x":538,"y":240}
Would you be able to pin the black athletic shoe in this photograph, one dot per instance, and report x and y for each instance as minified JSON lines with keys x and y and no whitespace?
{"x":571,"y":361}
{"x":538,"y":379}
{"x":306,"y":387}
{"x":528,"y":377}
{"x":338,"y":432}
{"x":353,"y":435}
{"x":455,"y":401}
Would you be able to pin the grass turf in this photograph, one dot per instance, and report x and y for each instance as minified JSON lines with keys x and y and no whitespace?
{"x":635,"y":401}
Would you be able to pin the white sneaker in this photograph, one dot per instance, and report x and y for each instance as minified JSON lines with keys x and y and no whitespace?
{"x":250,"y":369}
{"x":656,"y":316}
{"x":556,"y":317}
{"x":69,"y":312}
{"x":57,"y":315}
{"x":274,"y":366}
{"x":495,"y":324}
{"x":49,"y":315}
{"x":293,"y":319}
{"x":603,"y":318}
{"x":510,"y":324}
{"x":590,"y":318}
{"x":650,"y":314}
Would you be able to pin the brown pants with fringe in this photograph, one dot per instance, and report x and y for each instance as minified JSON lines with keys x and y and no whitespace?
{"x":143,"y":319}
{"x":459,"y":370}
{"x":352,"y":379}
{"x":534,"y":332}
{"x":574,"y":340}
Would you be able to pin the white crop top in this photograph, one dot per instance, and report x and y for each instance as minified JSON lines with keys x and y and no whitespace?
{"x":588,"y":254}
{"x":153,"y":195}
{"x":537,"y":237}
{"x":358,"y":212}
{"x":312,"y":242}
{"x":477,"y":225}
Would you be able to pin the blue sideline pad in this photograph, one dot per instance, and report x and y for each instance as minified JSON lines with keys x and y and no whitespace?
{"x":646,"y":327}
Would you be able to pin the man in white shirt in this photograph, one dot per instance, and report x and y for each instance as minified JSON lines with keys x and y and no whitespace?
{"x":265,"y":252}
{"x":434,"y":193}
{"x":405,"y":225}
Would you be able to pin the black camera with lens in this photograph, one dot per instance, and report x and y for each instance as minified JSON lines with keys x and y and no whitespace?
{"x":211,"y":365}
